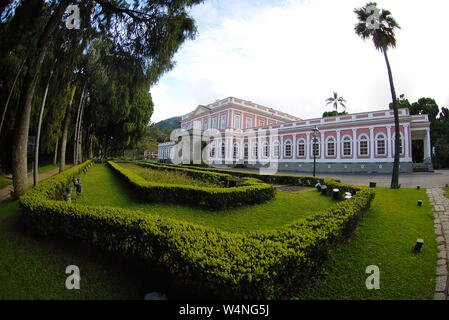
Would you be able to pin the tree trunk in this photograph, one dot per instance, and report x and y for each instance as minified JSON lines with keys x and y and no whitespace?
{"x":78,"y":118}
{"x":10,"y":95}
{"x":20,"y":141}
{"x":55,"y":155}
{"x":65,"y":130}
{"x":38,"y":135}
{"x":397,"y":151}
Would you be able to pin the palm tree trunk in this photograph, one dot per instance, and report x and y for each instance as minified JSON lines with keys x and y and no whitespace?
{"x":397,"y":151}
{"x":10,"y":95}
{"x":39,"y":124}
{"x":20,"y":141}
{"x":65,"y":130}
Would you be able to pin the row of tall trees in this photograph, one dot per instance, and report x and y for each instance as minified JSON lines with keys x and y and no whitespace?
{"x":98,"y":75}
{"x":439,"y":128}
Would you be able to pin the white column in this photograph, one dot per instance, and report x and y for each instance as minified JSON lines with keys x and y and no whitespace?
{"x":372,"y":142}
{"x":308,"y":147}
{"x":406,"y":142}
{"x":338,"y":144}
{"x":354,"y":144}
{"x":427,"y":146}
{"x":323,"y":145}
{"x":389,"y":142}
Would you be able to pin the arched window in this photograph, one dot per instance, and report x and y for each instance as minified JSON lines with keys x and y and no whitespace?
{"x":381,"y":145}
{"x":315,"y":147}
{"x":245,"y":150}
{"x":287,"y":149}
{"x":301,"y":148}
{"x":235,"y":151}
{"x":265,"y":149}
{"x":223,"y":149}
{"x":276,"y":152}
{"x":212,"y":151}
{"x":363,"y":145}
{"x":330,"y":147}
{"x":347,"y":146}
{"x":401,"y":144}
{"x":255,"y":150}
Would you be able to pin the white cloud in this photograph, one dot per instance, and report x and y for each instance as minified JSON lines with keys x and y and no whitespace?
{"x":291,"y":55}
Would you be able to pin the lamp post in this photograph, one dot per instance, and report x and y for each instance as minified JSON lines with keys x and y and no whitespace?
{"x":315,"y":132}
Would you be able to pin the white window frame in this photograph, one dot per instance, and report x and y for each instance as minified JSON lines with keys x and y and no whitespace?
{"x":205,"y":124}
{"x":301,"y":142}
{"x":288,"y":142}
{"x":223,"y":150}
{"x":250,"y":121}
{"x":346,"y":139}
{"x":276,"y":150}
{"x":265,"y":150}
{"x":223,"y":121}
{"x":214,"y":123}
{"x":363,"y":137}
{"x":212,"y":151}
{"x":377,"y":144}
{"x":255,"y":150}
{"x":235,"y":150}
{"x":334,"y":142}
{"x":246,"y":151}
{"x":237,"y":121}
{"x":402,"y":146}
{"x":318,"y":147}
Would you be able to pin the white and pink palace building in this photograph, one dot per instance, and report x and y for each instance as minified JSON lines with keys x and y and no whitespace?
{"x":361,"y":142}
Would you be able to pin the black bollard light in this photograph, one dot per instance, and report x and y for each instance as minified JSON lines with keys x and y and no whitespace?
{"x":324,"y":189}
{"x":299,"y":182}
{"x":318,"y":186}
{"x":79,"y":188}
{"x":335,"y":194}
{"x":372,"y":184}
{"x":418,"y":187}
{"x":419,"y":203}
{"x":418,"y":245}
{"x":67,"y":197}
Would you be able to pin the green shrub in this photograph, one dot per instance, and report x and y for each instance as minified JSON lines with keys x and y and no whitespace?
{"x":259,"y":265}
{"x":250,"y":191}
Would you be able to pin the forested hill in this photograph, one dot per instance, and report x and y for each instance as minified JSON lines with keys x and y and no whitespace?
{"x":169,"y":124}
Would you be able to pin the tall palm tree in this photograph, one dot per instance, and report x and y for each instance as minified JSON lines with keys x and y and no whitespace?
{"x":336,"y":100}
{"x":383,"y":36}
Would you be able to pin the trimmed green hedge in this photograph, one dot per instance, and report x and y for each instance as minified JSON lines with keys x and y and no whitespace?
{"x":259,"y":265}
{"x":250,"y":191}
{"x":274,"y":179}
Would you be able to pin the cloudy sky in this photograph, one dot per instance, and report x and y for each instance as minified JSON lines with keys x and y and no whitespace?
{"x":292,"y":54}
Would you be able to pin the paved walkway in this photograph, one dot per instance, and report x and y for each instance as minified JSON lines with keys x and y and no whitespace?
{"x":5,"y":193}
{"x":441,"y":213}
{"x":439,"y":178}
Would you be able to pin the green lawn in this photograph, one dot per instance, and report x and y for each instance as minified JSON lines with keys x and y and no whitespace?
{"x":446,"y":192}
{"x":32,"y":267}
{"x":167,"y":177}
{"x":385,"y":238}
{"x":102,"y":187}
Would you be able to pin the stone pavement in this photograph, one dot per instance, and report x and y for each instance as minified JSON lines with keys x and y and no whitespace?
{"x":5,"y":193}
{"x":439,"y":178}
{"x":441,"y":213}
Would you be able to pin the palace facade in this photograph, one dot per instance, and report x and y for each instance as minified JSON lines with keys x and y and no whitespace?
{"x":253,"y":135}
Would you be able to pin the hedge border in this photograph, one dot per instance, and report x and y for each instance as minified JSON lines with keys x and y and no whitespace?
{"x":251,"y":191}
{"x":259,"y":265}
